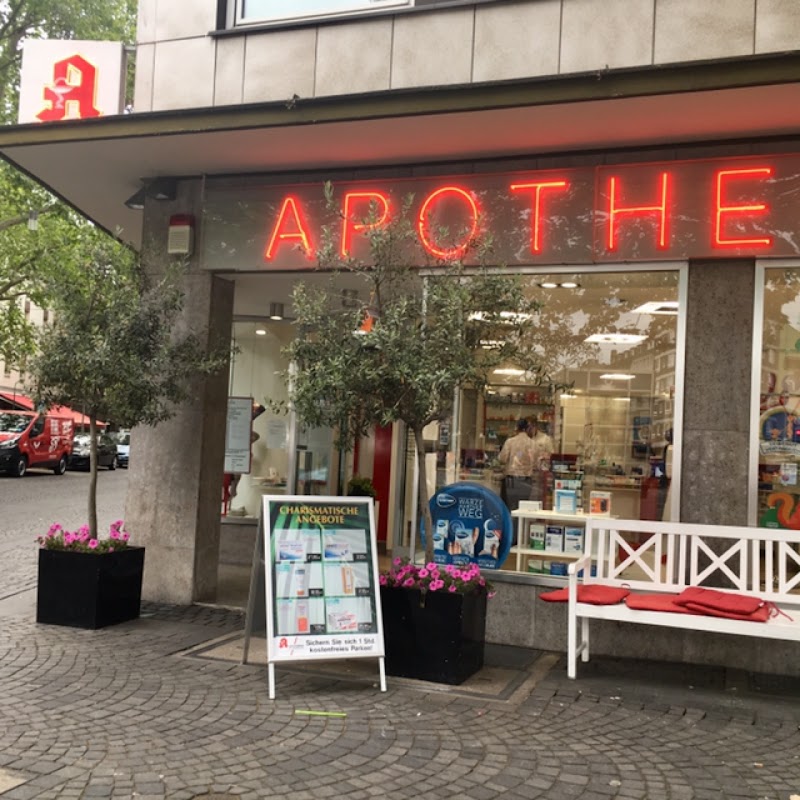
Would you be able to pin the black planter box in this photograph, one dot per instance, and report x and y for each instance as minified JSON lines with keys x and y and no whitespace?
{"x":89,"y":590}
{"x":442,"y":641}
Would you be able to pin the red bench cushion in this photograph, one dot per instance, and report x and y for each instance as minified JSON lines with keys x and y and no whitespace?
{"x":595,"y":594}
{"x":656,"y":602}
{"x":720,"y":603}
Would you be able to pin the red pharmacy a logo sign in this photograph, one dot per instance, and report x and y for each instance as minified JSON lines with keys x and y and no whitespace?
{"x":73,"y":91}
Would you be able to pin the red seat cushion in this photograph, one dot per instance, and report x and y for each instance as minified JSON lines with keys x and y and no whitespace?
{"x":656,"y":602}
{"x":726,"y":602}
{"x":761,"y":614}
{"x":595,"y":594}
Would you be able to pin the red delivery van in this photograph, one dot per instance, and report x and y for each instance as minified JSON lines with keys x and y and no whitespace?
{"x":29,"y":439}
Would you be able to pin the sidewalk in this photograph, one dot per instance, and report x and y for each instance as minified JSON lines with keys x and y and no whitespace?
{"x":162,"y":708}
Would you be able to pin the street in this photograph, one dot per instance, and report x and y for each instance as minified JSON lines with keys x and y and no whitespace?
{"x":30,"y":505}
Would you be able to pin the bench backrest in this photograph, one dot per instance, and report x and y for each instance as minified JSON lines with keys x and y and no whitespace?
{"x":669,"y":556}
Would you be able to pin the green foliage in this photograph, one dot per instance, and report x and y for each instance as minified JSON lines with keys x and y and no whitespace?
{"x":435,"y":331}
{"x":361,"y":486}
{"x":113,"y":351}
{"x":30,"y":259}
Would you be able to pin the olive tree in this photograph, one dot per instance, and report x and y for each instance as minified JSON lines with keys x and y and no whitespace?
{"x":423,"y":333}
{"x":117,"y":349}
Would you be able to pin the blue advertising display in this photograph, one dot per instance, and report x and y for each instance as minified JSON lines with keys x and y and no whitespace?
{"x":471,"y":524}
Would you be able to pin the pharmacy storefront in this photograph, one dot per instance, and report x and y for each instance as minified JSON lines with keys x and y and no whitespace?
{"x":645,"y":271}
{"x":669,"y":292}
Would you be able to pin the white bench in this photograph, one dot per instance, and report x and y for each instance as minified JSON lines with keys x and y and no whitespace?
{"x":670,"y":556}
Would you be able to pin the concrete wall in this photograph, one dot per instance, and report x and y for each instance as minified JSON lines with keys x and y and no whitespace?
{"x":716,"y":422}
{"x":180,"y":66}
{"x":174,"y":489}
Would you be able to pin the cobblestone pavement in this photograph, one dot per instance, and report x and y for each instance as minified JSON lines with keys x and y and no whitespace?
{"x":134,"y":711}
{"x":122,"y":712}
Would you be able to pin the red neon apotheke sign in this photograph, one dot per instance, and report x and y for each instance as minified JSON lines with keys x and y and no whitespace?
{"x":628,"y":212}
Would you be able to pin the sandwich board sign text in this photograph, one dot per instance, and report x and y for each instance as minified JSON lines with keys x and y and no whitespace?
{"x":321,"y":576}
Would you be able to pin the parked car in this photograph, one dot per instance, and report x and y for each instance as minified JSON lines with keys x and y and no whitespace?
{"x":29,"y":439}
{"x":123,"y":440}
{"x":81,"y":451}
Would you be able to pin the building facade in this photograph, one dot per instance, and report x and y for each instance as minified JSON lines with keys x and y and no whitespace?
{"x":637,"y":161}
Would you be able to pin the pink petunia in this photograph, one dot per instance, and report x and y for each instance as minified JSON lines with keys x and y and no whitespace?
{"x":408,"y":583}
{"x":93,"y":544}
{"x":383,"y":580}
{"x":452,"y":588}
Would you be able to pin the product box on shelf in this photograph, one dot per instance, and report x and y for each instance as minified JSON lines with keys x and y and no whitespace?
{"x":566,"y":501}
{"x":573,"y":540}
{"x":554,"y":538}
{"x":536,"y":566}
{"x":600,"y":503}
{"x":536,"y":536}
{"x":558,"y":568}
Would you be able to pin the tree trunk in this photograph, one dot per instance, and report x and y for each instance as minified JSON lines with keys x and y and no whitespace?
{"x":93,"y":477}
{"x":422,"y":495}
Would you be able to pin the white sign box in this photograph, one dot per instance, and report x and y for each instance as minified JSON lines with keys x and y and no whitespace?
{"x":69,"y":79}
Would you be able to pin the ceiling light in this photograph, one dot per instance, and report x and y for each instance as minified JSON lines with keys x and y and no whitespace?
{"x":616,"y":338}
{"x":276,"y":311}
{"x":509,"y":371}
{"x":261,"y":332}
{"x":653,"y":307}
{"x":617,"y":376}
{"x":549,"y":285}
{"x":569,"y":285}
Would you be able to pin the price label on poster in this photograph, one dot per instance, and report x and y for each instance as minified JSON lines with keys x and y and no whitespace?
{"x":322,"y":598}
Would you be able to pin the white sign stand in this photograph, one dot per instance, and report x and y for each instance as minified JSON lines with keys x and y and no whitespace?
{"x":316,"y":563}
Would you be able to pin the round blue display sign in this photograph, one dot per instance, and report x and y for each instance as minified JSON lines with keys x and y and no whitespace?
{"x":471,"y":524}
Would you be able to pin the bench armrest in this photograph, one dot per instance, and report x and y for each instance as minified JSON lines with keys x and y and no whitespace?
{"x":583,"y":563}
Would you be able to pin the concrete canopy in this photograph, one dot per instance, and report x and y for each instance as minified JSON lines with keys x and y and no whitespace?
{"x":96,"y":165}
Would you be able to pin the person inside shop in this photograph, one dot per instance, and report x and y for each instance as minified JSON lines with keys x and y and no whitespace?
{"x":543,"y":444}
{"x":517,"y":458}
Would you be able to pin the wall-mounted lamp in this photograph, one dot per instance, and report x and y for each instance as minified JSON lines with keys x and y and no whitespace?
{"x":158,"y":189}
{"x":276,"y":311}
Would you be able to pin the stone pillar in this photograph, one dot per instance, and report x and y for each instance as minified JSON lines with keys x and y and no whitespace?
{"x":175,"y":477}
{"x":716,"y":416}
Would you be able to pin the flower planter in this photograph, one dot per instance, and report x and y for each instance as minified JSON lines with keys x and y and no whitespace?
{"x":441,"y":641}
{"x":89,"y":590}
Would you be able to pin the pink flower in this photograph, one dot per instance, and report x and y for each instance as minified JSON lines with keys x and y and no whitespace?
{"x":113,"y":534}
{"x":93,"y":544}
{"x":125,"y":537}
{"x":452,"y":588}
{"x":423,"y":573}
{"x":69,"y":538}
{"x":408,"y":583}
{"x":397,"y":561}
{"x":383,"y":580}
